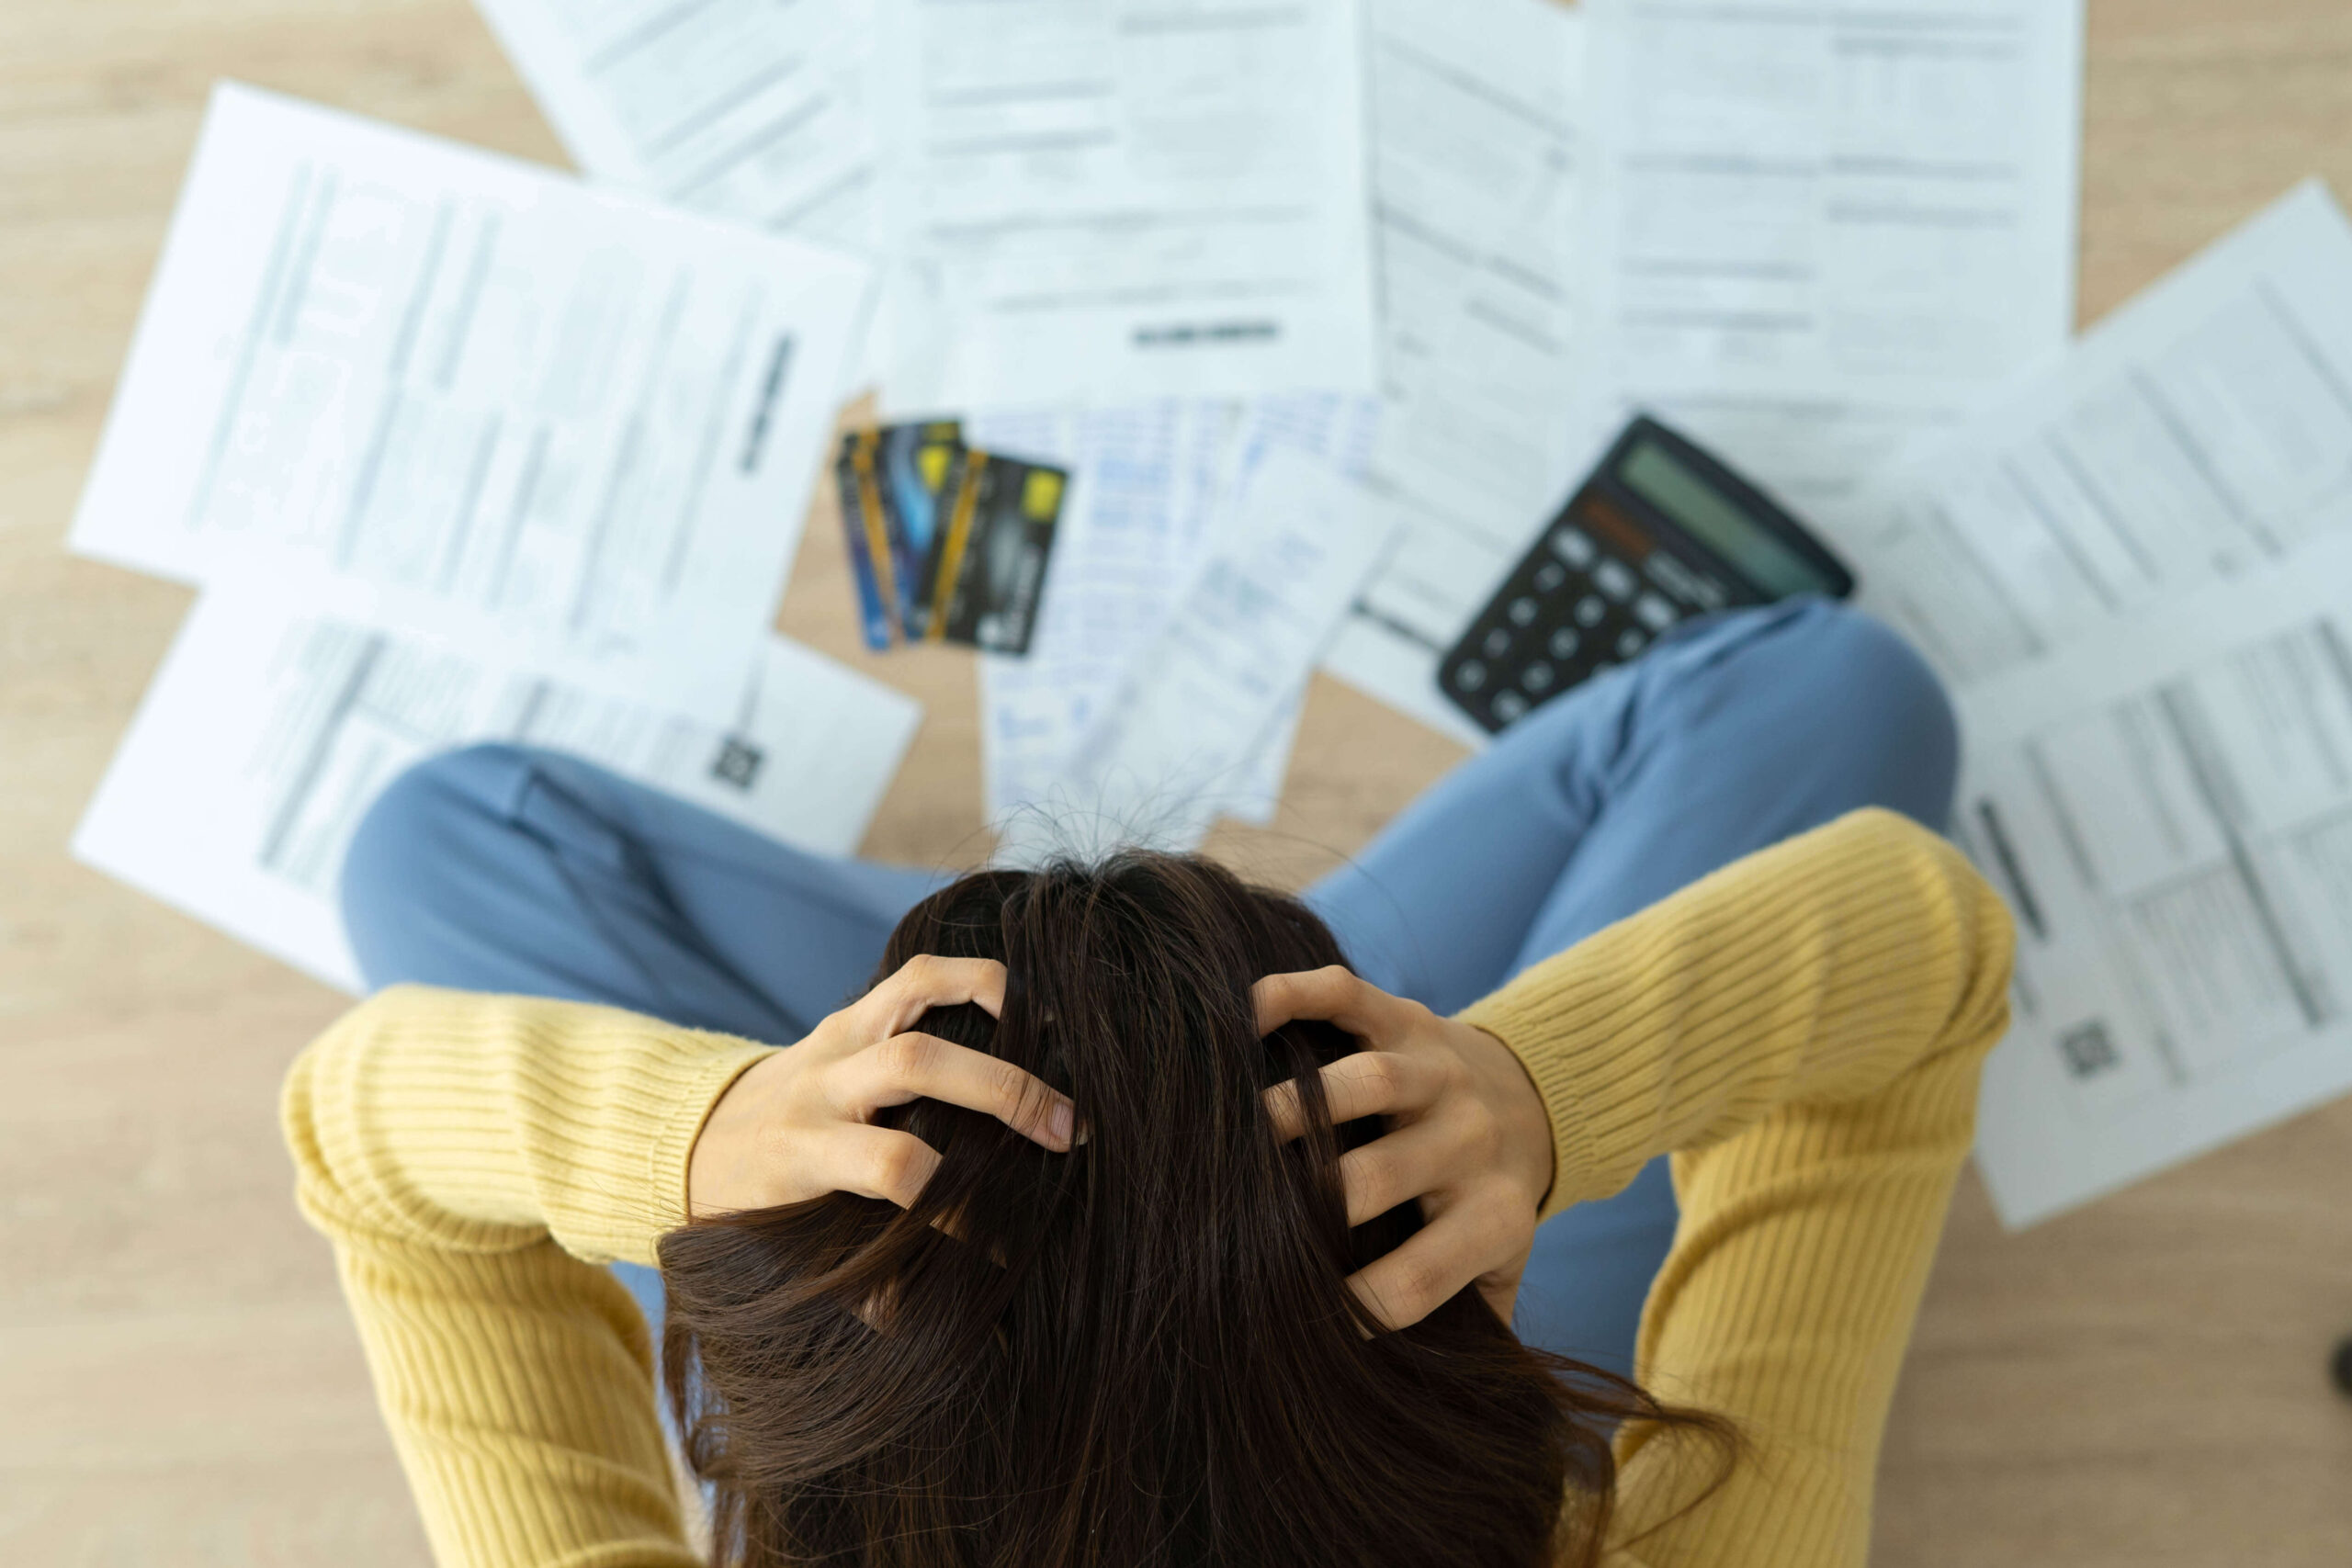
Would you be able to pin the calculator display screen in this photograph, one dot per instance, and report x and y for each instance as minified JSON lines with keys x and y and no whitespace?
{"x":1718,"y":521}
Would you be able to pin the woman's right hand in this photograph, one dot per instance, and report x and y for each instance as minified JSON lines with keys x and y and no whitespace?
{"x":799,"y":1123}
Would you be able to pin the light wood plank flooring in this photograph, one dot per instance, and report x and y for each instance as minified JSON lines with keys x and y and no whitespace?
{"x":2139,"y":1384}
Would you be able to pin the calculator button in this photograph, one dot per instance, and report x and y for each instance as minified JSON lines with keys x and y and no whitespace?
{"x":1522,"y":612}
{"x":1630,"y":642}
{"x":1549,"y":576}
{"x":1536,"y":677}
{"x":1469,"y":675}
{"x":1615,"y":578}
{"x":1564,"y":643}
{"x":1574,"y":547}
{"x":1497,"y":643}
{"x":1509,"y":705}
{"x":1655,"y":612}
{"x":1681,"y":582}
{"x":1591,"y":611}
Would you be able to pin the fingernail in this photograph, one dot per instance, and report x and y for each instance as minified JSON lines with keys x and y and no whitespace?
{"x":1063,"y":1121}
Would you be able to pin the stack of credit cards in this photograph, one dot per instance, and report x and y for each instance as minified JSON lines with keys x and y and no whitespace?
{"x":949,"y":543}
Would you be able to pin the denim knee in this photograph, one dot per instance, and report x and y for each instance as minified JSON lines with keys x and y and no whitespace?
{"x":418,"y":825}
{"x":1886,"y":710}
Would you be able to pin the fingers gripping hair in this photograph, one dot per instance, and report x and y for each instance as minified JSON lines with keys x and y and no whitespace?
{"x":1144,"y":1351}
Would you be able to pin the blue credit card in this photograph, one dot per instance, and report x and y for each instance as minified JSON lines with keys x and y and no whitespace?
{"x":856,"y":473}
{"x":917,"y":463}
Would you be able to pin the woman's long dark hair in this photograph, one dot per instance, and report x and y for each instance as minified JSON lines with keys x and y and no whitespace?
{"x":1142,"y":1352}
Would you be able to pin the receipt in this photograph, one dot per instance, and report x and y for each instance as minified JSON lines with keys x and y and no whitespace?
{"x":1179,"y":741}
{"x":1134,"y":529}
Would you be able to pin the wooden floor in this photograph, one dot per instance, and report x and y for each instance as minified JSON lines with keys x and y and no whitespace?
{"x":2139,"y":1384}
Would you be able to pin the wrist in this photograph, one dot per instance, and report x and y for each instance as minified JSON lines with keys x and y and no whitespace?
{"x":1517,"y":1104}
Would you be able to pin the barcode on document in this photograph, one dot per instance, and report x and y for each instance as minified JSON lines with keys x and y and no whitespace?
{"x":737,"y":763}
{"x":2088,"y":1051}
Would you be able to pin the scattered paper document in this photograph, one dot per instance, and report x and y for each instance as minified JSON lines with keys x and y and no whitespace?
{"x":1157,"y":489}
{"x":444,"y":391}
{"x":741,"y":108}
{"x":1816,"y":233}
{"x":1478,"y":153}
{"x":1200,"y":702}
{"x":1097,"y":203}
{"x":1134,"y":529}
{"x":268,"y":733}
{"x":1476,"y":113}
{"x":2168,"y":808}
{"x":2203,"y":430}
{"x":1341,"y":432}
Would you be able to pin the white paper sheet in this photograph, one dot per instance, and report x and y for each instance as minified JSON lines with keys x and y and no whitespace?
{"x":1109,"y":201}
{"x":2199,"y":432}
{"x":1157,"y":490}
{"x":1341,"y":432}
{"x":1179,"y":738}
{"x":1477,"y":162}
{"x":741,"y":108}
{"x":455,"y":394}
{"x":1134,"y":530}
{"x":1477,"y":153}
{"x":2168,"y":808}
{"x":268,"y":732}
{"x":1817,"y":232}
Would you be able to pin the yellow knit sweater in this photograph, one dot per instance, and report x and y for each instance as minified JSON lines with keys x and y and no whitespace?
{"x":1802,"y":1029}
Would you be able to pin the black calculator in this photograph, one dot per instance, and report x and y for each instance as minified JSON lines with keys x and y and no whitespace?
{"x":1661,"y":531}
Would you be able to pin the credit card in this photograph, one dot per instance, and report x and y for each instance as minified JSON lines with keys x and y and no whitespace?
{"x":856,"y":473}
{"x":989,"y":558}
{"x":917,"y":464}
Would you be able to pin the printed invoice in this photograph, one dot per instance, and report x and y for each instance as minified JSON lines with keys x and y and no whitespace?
{"x":2203,"y":430}
{"x":1478,"y":151}
{"x":460,"y":396}
{"x":2168,"y":808}
{"x":741,"y":109}
{"x":1476,"y":146}
{"x":268,"y":732}
{"x":1817,"y":231}
{"x":1107,"y":201}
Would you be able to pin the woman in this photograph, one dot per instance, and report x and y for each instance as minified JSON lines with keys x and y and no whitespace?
{"x":1801,"y":1028}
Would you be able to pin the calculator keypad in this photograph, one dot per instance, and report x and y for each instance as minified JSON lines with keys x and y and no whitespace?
{"x":1592,"y":593}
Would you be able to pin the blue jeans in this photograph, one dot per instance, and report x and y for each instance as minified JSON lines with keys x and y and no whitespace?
{"x":503,"y":869}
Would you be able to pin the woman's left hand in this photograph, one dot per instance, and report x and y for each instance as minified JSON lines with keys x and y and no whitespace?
{"x":1469,"y":1137}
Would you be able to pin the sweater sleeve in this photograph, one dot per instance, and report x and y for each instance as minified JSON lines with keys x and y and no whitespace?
{"x":474,"y":1159}
{"x":1804,"y":1031}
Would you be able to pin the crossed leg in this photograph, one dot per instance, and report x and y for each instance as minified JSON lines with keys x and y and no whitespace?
{"x":500,"y":868}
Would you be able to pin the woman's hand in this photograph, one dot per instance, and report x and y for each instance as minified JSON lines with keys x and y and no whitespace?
{"x":1469,"y":1137}
{"x":799,"y":1124}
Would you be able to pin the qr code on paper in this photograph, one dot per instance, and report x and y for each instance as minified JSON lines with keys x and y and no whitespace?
{"x":737,"y":763}
{"x":2088,"y":1051}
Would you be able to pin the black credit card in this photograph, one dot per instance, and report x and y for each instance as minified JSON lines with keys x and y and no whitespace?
{"x":988,"y":553}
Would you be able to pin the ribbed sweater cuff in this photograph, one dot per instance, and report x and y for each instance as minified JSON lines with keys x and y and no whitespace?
{"x":1581,"y":1089}
{"x":698,"y":1085}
